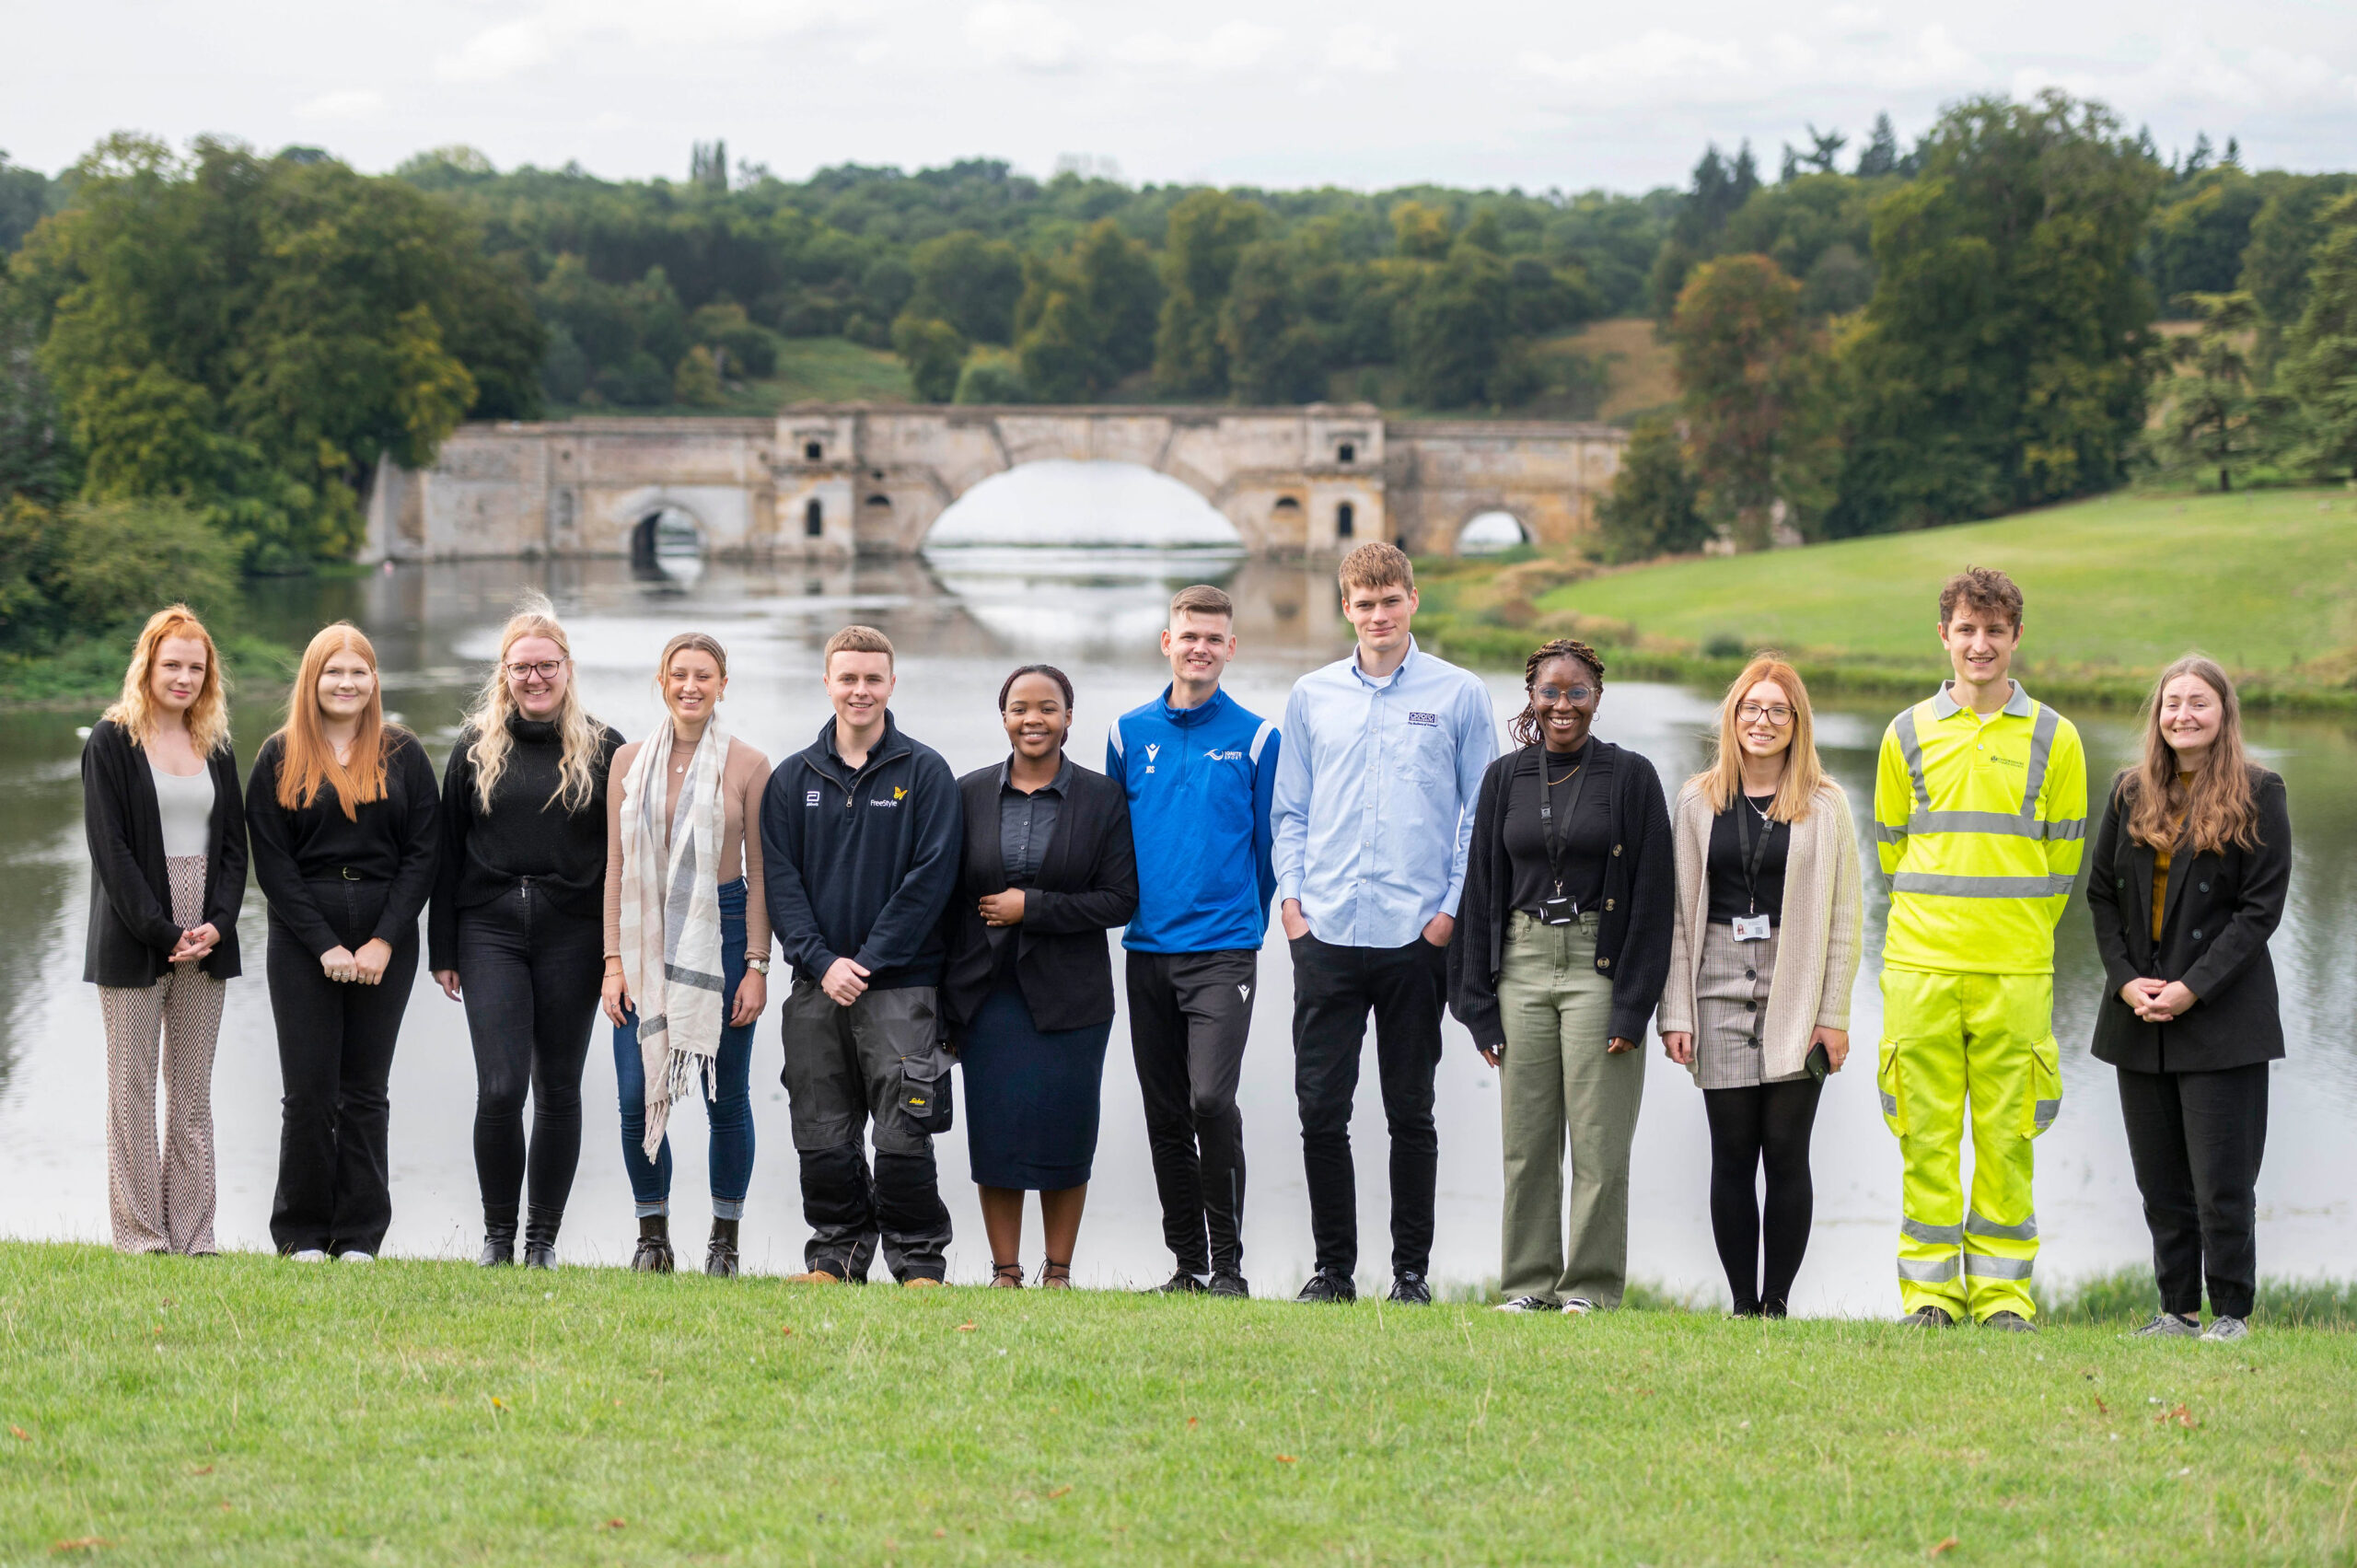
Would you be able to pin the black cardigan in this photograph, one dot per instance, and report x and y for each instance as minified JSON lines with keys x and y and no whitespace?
{"x":2221,"y":910}
{"x":131,"y":929}
{"x":391,"y":841}
{"x":1087,"y":885}
{"x":1640,"y":900}
{"x":524,"y":834}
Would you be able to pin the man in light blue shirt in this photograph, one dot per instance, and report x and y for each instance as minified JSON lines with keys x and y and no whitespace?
{"x":1383,"y":757}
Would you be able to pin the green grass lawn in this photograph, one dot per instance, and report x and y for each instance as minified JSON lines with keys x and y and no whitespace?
{"x":252,"y":1410}
{"x":828,"y":370}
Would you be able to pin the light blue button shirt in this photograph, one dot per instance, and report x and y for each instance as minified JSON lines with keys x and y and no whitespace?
{"x":1374,"y":793}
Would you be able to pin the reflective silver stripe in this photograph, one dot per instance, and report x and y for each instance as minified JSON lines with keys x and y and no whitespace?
{"x":1886,"y":834}
{"x":2000,"y":823}
{"x":1933,"y":1234}
{"x":1260,"y":739}
{"x":1937,"y":1271}
{"x":1988,"y":1268}
{"x":2041,"y":743}
{"x":1913,"y":749}
{"x":1891,"y":1105}
{"x":2067,"y":828}
{"x":1974,"y":1225}
{"x":2045,"y":1113}
{"x":1980,"y":886}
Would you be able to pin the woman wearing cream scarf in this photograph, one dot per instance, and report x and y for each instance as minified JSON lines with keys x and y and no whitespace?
{"x":687,"y":945}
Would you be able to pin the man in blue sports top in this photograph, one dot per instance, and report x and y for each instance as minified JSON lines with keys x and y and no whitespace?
{"x":1372,"y":814}
{"x":1199,"y":770}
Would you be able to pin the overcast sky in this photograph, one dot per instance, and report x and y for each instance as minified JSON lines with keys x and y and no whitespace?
{"x":1536,"y":93}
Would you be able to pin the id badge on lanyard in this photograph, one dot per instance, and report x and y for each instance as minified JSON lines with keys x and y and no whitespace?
{"x":1755,"y":926}
{"x":1560,"y":910}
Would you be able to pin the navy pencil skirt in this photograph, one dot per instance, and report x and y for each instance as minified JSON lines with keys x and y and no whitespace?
{"x":1031,"y":1096}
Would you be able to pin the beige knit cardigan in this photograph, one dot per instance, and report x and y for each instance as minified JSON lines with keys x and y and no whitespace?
{"x":1817,"y":930}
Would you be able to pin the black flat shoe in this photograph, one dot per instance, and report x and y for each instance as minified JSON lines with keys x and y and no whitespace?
{"x":654,"y":1254}
{"x":1180,"y":1283}
{"x":1227,"y":1281}
{"x":498,"y":1240}
{"x":720,"y":1255}
{"x":540,"y":1238}
{"x":1410,"y":1289}
{"x":1329,"y":1284}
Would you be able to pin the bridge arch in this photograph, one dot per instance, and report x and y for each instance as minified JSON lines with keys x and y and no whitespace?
{"x":1490,"y":531}
{"x":1057,"y":501}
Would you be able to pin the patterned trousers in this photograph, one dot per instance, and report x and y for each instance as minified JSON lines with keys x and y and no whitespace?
{"x":162,"y":1201}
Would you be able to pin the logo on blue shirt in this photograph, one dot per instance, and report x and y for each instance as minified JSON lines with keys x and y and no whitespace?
{"x":1423,"y":718}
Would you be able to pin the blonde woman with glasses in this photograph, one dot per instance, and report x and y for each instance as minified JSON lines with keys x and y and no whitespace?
{"x":1766,"y":947}
{"x":166,"y":828}
{"x":518,"y":928}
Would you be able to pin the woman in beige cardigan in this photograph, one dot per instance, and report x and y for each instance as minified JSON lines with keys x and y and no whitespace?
{"x":1766,"y":944}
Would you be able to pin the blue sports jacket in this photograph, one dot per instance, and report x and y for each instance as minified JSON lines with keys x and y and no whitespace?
{"x":1199,"y":781}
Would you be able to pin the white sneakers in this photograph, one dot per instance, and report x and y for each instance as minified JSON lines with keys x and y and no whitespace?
{"x":309,"y":1255}
{"x":2225,"y":1330}
{"x":355,"y":1257}
{"x":1578,"y":1305}
{"x":1525,"y":1304}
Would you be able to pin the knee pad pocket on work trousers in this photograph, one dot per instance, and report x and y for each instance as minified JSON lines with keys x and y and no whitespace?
{"x":2046,"y":1085}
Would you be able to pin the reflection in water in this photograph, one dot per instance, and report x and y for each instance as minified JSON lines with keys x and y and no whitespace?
{"x":961,"y":618}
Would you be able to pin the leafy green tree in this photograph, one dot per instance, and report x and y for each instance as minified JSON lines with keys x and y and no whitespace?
{"x":2006,"y":355}
{"x":1274,"y":354}
{"x":2210,"y":422}
{"x":695,"y":381}
{"x":35,"y":460}
{"x":2319,"y":367}
{"x":26,"y":195}
{"x":2281,"y":253}
{"x":1754,"y":382}
{"x":1655,"y":505}
{"x":1087,"y":318}
{"x":1208,"y":232}
{"x":1453,"y":332}
{"x":1880,"y":155}
{"x":969,"y":281}
{"x":89,"y":568}
{"x":2199,"y":232}
{"x":1419,"y":231}
{"x":992,"y":376}
{"x":933,"y":352}
{"x":254,"y":335}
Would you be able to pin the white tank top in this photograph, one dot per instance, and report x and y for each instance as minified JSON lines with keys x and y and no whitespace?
{"x":186,"y":805}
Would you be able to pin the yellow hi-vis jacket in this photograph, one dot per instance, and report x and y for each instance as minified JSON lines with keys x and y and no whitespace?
{"x":1980,"y":827}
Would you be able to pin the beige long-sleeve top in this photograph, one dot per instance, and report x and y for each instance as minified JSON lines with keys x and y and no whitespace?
{"x":1817,"y":930}
{"x":742,"y":779}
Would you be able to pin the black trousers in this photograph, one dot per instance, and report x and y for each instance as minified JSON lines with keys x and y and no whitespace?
{"x":531,"y":975}
{"x":1333,"y":989}
{"x":2196,"y":1139}
{"x":1763,"y":1125}
{"x":1189,"y":1015}
{"x":335,"y":1055}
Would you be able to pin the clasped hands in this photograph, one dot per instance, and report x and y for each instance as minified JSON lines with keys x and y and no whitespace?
{"x":2157,"y":1001}
{"x":197,"y":942}
{"x":366,"y":965}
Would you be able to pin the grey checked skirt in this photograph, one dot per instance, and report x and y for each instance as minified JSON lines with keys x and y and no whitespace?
{"x":1731,"y":1008}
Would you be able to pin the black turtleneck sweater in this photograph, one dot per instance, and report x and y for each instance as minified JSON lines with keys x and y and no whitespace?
{"x":484,"y":854}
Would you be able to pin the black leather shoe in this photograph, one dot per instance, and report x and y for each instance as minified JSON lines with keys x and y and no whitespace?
{"x":720,"y":1257}
{"x":1329,"y":1284}
{"x":1179,"y":1284}
{"x":540,"y":1238}
{"x":654,"y":1254}
{"x":498,"y":1239}
{"x":1410,"y":1290}
{"x":1227,"y":1281}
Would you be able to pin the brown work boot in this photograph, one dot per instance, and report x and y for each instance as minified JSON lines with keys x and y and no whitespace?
{"x":921,"y":1283}
{"x":814,"y":1277}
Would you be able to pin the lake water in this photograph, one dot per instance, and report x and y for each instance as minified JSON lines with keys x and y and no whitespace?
{"x":961,"y":618}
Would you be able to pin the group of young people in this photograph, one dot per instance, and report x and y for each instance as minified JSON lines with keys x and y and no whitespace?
{"x":948,"y":934}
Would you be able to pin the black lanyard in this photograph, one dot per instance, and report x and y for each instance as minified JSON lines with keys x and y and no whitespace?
{"x":1752,"y":858}
{"x":1547,"y":810}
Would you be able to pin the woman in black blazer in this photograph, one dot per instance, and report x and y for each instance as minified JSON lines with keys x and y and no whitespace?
{"x":167,"y":828}
{"x":2191,"y":862}
{"x":1029,"y":986}
{"x":345,"y":819}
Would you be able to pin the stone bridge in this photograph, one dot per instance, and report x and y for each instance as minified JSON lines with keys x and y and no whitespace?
{"x":835,"y":480}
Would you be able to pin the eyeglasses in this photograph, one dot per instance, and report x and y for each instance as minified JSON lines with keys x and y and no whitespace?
{"x":545,"y":669}
{"x":1561,"y":693}
{"x":1778,"y":715}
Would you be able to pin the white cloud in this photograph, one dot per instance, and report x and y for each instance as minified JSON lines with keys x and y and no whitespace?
{"x":1358,"y":49}
{"x":1230,"y":46}
{"x":515,"y":46}
{"x":347,"y":103}
{"x":1655,"y":56}
{"x":1021,"y":32}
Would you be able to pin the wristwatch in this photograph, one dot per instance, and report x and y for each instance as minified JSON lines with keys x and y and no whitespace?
{"x":759,"y":966}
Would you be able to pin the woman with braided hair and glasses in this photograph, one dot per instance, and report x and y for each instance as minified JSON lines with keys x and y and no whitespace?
{"x":1562,"y":946}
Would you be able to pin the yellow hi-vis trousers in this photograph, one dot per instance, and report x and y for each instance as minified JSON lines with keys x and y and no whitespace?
{"x":1987,"y":1038}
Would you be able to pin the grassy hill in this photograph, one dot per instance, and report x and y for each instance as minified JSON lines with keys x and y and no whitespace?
{"x":249,"y":1410}
{"x":808,"y":370}
{"x":2264,"y":582}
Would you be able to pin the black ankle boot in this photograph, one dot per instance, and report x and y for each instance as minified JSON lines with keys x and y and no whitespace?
{"x":654,"y":1254}
{"x":540,"y":1236}
{"x":720,"y":1257}
{"x":498,"y":1236}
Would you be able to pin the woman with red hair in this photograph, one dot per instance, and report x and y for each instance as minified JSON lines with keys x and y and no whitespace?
{"x":344,"y":816}
{"x":167,"y":828}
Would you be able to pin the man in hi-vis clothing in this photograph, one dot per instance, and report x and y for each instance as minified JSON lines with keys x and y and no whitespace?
{"x":1980,"y":806}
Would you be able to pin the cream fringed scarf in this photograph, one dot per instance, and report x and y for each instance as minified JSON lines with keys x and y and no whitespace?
{"x":670,"y":919}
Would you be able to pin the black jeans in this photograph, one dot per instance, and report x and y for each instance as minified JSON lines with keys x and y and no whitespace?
{"x":1190,"y":1014}
{"x":1762,"y":1125}
{"x":532,"y":976}
{"x":2196,"y":1139}
{"x":1333,"y":989}
{"x":335,"y":1054}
